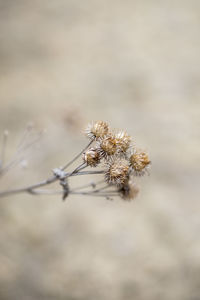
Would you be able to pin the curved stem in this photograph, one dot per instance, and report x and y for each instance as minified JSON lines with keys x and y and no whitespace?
{"x":76,"y":157}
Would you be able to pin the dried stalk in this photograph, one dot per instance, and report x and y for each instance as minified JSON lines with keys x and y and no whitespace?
{"x":120,"y":165}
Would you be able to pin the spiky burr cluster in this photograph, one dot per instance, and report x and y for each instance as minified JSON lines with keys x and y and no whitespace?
{"x":122,"y":160}
{"x":112,"y":150}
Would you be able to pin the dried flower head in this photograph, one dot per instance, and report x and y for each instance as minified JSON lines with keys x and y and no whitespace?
{"x":92,"y":157}
{"x":111,"y":147}
{"x":117,"y":172}
{"x":129,"y":191}
{"x":139,"y":162}
{"x":123,"y":141}
{"x":107,"y":146}
{"x":97,"y":130}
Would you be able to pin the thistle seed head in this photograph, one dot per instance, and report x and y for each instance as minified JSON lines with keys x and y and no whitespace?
{"x":97,"y":130}
{"x":92,"y":157}
{"x":139,"y":161}
{"x":123,"y":141}
{"x":107,"y":146}
{"x":117,"y":172}
{"x":129,"y":191}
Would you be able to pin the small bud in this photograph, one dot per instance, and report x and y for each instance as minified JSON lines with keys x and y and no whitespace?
{"x":139,"y":162}
{"x":117,"y":172}
{"x":92,"y":157}
{"x":97,"y":130}
{"x":129,"y":191}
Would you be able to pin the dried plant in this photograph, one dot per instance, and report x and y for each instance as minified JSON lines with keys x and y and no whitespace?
{"x":109,"y":153}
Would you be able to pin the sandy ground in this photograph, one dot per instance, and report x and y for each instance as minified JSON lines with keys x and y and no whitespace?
{"x":136,"y":65}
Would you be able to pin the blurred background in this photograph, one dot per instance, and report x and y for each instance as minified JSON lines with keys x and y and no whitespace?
{"x":135,"y":64}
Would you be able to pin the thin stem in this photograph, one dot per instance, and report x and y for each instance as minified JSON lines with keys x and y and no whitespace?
{"x":25,"y":147}
{"x":32,"y":188}
{"x":45,"y":192}
{"x":25,"y":134}
{"x":10,"y":165}
{"x":45,"y":182}
{"x":96,"y":195}
{"x":57,"y":192}
{"x":16,"y":160}
{"x":92,"y":184}
{"x":97,"y":190}
{"x":88,"y":173}
{"x":76,"y":157}
{"x":101,"y":189}
{"x":79,"y":168}
{"x":29,"y":188}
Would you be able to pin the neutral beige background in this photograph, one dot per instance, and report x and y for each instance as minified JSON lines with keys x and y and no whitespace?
{"x":135,"y":64}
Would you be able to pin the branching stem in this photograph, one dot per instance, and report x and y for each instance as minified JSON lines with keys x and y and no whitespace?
{"x":31,"y":188}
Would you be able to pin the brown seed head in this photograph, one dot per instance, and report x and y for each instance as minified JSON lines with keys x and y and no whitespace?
{"x":91,"y":157}
{"x":117,"y":172}
{"x":97,"y":130}
{"x":123,"y":141}
{"x":108,"y":146}
{"x":129,"y":191}
{"x":139,"y":161}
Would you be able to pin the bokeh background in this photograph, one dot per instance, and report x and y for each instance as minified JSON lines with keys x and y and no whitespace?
{"x":135,"y":64}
